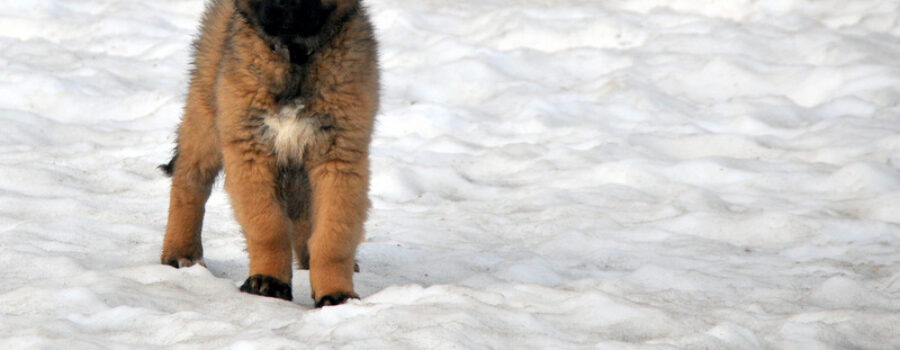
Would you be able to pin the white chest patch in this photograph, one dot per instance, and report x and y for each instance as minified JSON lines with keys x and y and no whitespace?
{"x":290,"y":134}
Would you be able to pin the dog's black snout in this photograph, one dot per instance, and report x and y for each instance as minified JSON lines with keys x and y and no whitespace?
{"x":286,"y":4}
{"x":293,"y":5}
{"x":289,"y":18}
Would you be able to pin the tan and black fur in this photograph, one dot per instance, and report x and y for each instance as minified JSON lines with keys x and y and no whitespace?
{"x":283,"y":96}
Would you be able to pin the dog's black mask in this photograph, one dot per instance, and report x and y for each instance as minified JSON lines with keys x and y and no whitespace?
{"x":291,"y":18}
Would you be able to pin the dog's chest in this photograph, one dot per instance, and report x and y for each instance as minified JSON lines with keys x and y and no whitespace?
{"x":289,"y":133}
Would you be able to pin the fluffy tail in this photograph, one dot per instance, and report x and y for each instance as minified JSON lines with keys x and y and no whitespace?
{"x":169,"y":169}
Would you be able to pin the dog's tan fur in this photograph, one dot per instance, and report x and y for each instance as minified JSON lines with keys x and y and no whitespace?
{"x":297,"y":170}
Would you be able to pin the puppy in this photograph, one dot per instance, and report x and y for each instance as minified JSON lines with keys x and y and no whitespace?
{"x":283,"y":96}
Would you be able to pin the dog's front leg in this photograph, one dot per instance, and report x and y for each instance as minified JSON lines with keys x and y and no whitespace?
{"x":251,"y":179}
{"x":339,"y":209}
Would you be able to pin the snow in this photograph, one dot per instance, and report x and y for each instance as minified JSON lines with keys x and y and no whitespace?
{"x":547,"y":174}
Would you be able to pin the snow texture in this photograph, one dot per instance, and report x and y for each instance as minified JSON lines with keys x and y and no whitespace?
{"x":547,"y":174}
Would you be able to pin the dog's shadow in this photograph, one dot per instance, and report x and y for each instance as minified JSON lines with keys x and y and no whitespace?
{"x":382,"y":264}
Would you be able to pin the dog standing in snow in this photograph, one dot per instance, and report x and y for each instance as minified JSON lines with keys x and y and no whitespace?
{"x":283,"y":96}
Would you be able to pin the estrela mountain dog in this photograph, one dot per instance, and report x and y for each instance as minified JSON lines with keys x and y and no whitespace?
{"x":283,"y":96}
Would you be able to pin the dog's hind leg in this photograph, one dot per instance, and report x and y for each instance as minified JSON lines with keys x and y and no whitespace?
{"x":295,"y":193}
{"x":196,"y":163}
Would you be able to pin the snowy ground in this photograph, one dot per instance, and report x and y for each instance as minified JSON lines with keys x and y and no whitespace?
{"x":548,"y":174}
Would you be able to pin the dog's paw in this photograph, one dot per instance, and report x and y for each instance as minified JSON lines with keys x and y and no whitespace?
{"x":179,"y":262}
{"x":267,"y":286}
{"x":335,"y":299}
